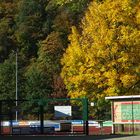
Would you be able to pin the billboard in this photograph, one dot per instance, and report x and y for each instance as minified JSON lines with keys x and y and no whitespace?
{"x":62,"y":111}
{"x":126,"y":111}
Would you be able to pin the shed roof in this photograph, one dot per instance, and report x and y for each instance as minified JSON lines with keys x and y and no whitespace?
{"x":123,"y":97}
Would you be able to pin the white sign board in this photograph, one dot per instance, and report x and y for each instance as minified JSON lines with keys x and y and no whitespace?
{"x":62,"y":111}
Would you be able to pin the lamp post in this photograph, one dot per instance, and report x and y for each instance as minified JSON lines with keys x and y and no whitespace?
{"x":16,"y":84}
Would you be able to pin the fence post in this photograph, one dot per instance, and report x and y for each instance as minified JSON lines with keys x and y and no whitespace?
{"x":133,"y":129}
{"x":11,"y":120}
{"x":42,"y":119}
{"x":85,"y":115}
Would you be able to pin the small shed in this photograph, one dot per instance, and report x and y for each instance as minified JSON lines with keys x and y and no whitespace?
{"x":125,"y":113}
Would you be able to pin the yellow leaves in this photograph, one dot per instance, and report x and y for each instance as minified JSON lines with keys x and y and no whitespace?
{"x":75,"y":44}
{"x":110,"y":73}
{"x":129,"y":35}
{"x":111,"y":91}
{"x":128,"y":80}
{"x":75,"y":79}
{"x":111,"y":82}
{"x":138,"y":69}
{"x":124,"y":57}
{"x":138,"y":16}
{"x":76,"y":94}
{"x":106,"y":54}
{"x":75,"y":35}
{"x":103,"y":69}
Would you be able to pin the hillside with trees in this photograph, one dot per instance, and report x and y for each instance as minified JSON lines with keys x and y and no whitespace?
{"x":37,"y":30}
{"x":70,"y":48}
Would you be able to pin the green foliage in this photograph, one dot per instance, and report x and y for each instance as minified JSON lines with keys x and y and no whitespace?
{"x":77,"y":6}
{"x":28,"y":25}
{"x":8,"y":79}
{"x":6,"y":28}
{"x":5,"y":41}
{"x":36,"y":83}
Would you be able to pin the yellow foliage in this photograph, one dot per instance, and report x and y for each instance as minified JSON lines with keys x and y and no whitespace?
{"x":128,"y":80}
{"x":104,"y":58}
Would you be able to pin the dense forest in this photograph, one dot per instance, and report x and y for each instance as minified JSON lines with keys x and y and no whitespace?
{"x":37,"y":31}
{"x":70,"y":48}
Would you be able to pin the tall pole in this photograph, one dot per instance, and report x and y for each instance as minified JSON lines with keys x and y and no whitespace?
{"x":16,"y":84}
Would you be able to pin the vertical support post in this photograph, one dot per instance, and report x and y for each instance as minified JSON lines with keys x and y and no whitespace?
{"x":11,"y":121}
{"x":132,"y":117}
{"x":112,"y":112}
{"x":42,"y":119}
{"x":85,"y":115}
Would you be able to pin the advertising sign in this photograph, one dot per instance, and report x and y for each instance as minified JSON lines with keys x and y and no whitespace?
{"x":126,"y":111}
{"x":62,"y":111}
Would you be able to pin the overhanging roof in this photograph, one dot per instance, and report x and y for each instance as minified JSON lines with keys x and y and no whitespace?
{"x":123,"y":97}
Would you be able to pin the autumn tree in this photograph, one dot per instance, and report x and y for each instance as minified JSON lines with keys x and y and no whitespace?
{"x":50,"y":52}
{"x":103,"y":59}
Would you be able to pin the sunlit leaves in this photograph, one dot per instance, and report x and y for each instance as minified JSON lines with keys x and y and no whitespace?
{"x":104,"y":59}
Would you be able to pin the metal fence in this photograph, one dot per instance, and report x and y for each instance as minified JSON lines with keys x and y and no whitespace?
{"x":37,"y":117}
{"x":56,"y":127}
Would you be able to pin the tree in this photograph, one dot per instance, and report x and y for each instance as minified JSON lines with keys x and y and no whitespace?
{"x":8,"y":78}
{"x":5,"y":40}
{"x":103,"y":59}
{"x":36,"y":85}
{"x":50,"y":52}
{"x":29,"y":21}
{"x":7,"y":13}
{"x":43,"y":73}
{"x":71,"y":9}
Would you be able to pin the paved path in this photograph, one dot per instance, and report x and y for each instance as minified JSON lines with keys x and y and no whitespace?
{"x":105,"y":137}
{"x":126,"y":138}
